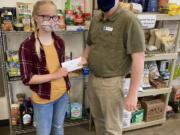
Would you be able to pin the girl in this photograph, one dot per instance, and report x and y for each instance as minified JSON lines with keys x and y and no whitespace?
{"x":40,"y":65}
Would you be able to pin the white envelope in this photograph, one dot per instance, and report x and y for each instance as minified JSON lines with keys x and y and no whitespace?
{"x":72,"y":64}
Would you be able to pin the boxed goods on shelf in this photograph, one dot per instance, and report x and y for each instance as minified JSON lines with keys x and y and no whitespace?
{"x":158,"y":83}
{"x":61,"y":22}
{"x":7,"y":20}
{"x":154,"y":109}
{"x":126,"y":118}
{"x":13,"y":64}
{"x":159,"y":40}
{"x":175,"y":95}
{"x":137,"y":116}
{"x":14,"y":114}
{"x":76,"y":111}
{"x":22,"y":111}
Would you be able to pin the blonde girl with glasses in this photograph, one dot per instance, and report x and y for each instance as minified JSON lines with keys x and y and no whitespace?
{"x":41,"y":56}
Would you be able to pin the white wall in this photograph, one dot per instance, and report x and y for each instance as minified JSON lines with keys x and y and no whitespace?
{"x":4,"y":108}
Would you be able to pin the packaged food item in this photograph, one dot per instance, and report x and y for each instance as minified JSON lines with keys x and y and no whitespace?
{"x":68,"y":111}
{"x":14,"y":114}
{"x":153,"y":70}
{"x":170,"y":8}
{"x":76,"y":111}
{"x":162,"y":2}
{"x":158,"y":83}
{"x":27,"y":23}
{"x":79,"y":17}
{"x":69,"y":17}
{"x":125,"y":5}
{"x":147,"y":36}
{"x":30,"y":108}
{"x":75,"y":4}
{"x":137,"y":116}
{"x":146,"y":83}
{"x":126,"y":122}
{"x":67,"y":5}
{"x":25,"y":115}
{"x":164,"y":41}
{"x":152,"y":38}
{"x":20,"y":97}
{"x":61,"y":22}
{"x":13,"y":64}
{"x":136,"y":8}
{"x":23,"y":9}
{"x":18,"y":26}
{"x":152,"y":6}
{"x":7,"y":21}
{"x":160,"y":33}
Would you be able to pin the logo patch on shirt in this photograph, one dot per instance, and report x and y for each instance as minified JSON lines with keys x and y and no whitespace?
{"x":108,"y":28}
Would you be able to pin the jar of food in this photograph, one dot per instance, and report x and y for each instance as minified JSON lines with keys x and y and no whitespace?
{"x":14,"y":114}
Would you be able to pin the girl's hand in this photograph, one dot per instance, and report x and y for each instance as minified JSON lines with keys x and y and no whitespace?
{"x":61,"y":72}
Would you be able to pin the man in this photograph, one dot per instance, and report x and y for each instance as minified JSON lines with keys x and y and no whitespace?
{"x":115,"y":45}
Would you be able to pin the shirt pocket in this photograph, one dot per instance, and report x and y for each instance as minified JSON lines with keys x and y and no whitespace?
{"x":112,"y":39}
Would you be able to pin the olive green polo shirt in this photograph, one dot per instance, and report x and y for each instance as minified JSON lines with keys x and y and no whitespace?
{"x":113,"y":41}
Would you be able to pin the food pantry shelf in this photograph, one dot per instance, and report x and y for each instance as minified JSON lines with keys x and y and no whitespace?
{"x":68,"y":122}
{"x":28,"y":129}
{"x":159,"y":16}
{"x":151,"y":92}
{"x":21,"y":130}
{"x":162,"y":17}
{"x":163,"y":56}
{"x":144,"y":124}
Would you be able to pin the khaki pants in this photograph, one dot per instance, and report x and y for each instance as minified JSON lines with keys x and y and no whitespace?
{"x":106,"y":103}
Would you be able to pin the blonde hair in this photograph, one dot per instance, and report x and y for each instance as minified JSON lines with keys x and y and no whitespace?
{"x":36,"y":9}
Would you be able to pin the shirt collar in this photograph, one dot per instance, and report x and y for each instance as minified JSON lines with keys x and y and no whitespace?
{"x":112,"y":18}
{"x":53,"y":34}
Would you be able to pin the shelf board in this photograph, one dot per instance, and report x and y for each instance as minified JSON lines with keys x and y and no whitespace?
{"x":151,"y":92}
{"x":161,"y":56}
{"x":68,"y":123}
{"x":29,"y":32}
{"x":144,"y":124}
{"x":21,"y":130}
{"x":28,"y":129}
{"x":162,"y":17}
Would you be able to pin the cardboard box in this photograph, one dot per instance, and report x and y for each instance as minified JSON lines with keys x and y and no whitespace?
{"x":154,"y":109}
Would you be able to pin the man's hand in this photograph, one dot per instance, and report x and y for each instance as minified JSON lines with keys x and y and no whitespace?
{"x":130,"y":103}
{"x":83,"y":61}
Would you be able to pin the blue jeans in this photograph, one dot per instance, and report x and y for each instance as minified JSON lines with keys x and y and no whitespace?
{"x":50,"y":115}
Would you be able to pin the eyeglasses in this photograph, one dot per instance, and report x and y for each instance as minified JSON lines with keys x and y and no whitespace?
{"x":47,"y":17}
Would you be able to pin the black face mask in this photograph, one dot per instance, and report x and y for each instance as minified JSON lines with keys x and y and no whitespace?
{"x":106,"y":5}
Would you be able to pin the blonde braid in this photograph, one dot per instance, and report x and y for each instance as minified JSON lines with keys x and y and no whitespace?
{"x":37,"y":43}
